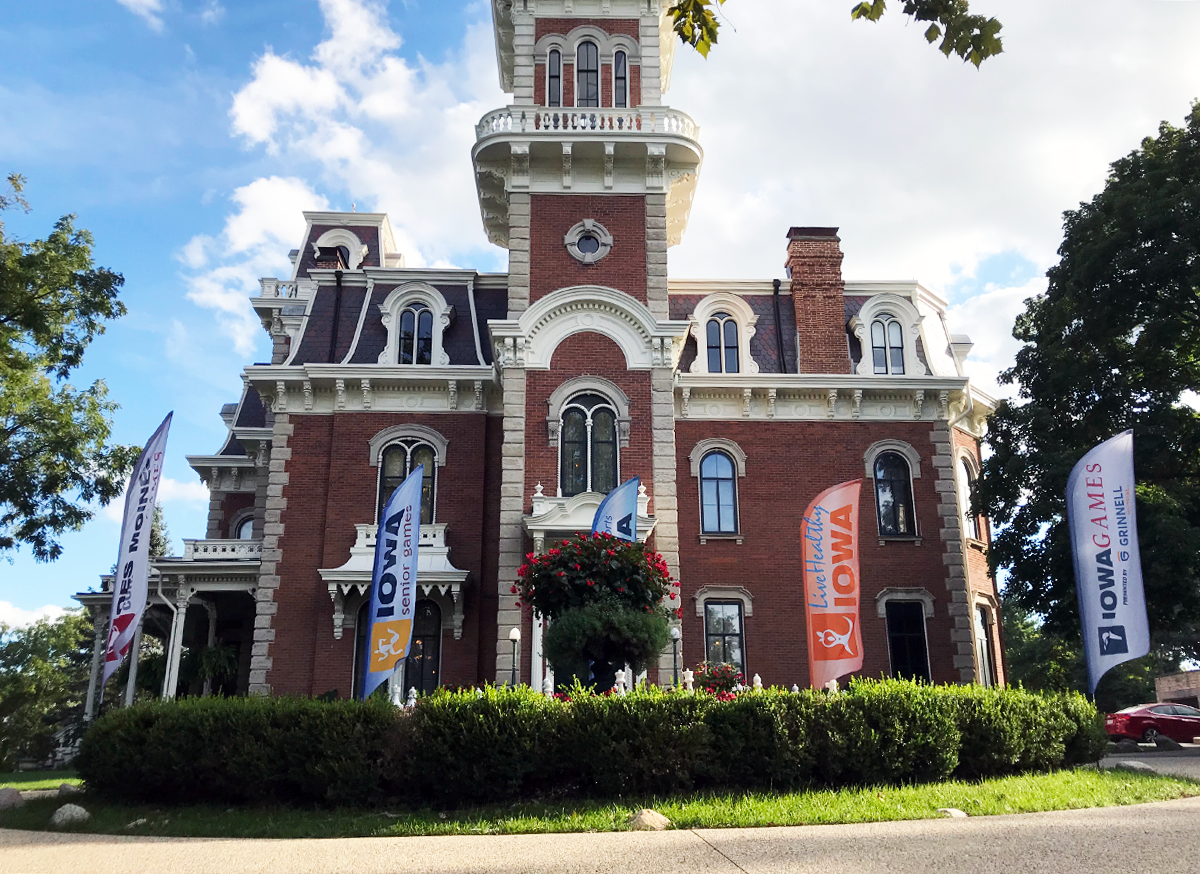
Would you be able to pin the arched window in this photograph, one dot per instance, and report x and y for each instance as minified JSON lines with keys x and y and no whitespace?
{"x":966,"y":483}
{"x":245,"y":529}
{"x":718,"y":494}
{"x":587,"y":75}
{"x":722,"y":335}
{"x":416,"y":335}
{"x":587,"y":446}
{"x":984,"y":651}
{"x":893,"y":496}
{"x":397,"y":462}
{"x":620,"y":80}
{"x":887,"y":344}
{"x":554,"y":78}
{"x":423,"y":667}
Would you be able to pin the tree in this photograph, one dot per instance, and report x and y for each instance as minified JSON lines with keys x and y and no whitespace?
{"x":974,"y":38}
{"x":607,"y":600}
{"x":1113,"y":344}
{"x":55,"y":456}
{"x":43,"y":683}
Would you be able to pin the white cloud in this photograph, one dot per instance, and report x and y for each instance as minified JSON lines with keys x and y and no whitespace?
{"x":170,"y":491}
{"x":212,"y":13}
{"x":987,"y":318}
{"x":15,"y":617}
{"x":148,"y":10}
{"x":390,"y":133}
{"x":254,"y":243}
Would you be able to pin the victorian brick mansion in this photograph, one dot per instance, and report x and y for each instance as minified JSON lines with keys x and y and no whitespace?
{"x":530,"y":394}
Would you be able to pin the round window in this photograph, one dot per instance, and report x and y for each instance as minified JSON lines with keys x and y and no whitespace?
{"x":588,"y":244}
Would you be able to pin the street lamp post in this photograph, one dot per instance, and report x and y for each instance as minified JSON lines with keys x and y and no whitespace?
{"x":675,"y":635}
{"x":515,"y":636}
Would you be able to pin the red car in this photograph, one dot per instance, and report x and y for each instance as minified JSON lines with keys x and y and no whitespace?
{"x":1147,"y":721}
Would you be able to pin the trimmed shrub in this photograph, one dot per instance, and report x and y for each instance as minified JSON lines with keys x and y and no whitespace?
{"x":501,"y":745}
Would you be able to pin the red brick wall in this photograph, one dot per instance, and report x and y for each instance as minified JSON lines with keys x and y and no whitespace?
{"x":232,"y":504}
{"x":328,"y":492}
{"x":628,"y":26}
{"x":568,"y":85}
{"x":772,"y":499}
{"x":551,"y":266}
{"x":815,"y":261}
{"x":635,"y":85}
{"x":587,"y":354}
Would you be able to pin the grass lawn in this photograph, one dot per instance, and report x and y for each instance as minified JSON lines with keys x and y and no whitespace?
{"x":37,"y":779}
{"x":1062,"y":790}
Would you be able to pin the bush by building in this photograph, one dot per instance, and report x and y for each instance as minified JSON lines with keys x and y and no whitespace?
{"x":501,"y":745}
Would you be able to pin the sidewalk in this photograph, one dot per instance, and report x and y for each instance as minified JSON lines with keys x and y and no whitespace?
{"x":1163,"y":838}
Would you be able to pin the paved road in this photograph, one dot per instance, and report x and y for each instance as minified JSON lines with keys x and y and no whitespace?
{"x":1185,"y":763}
{"x":1159,"y":838}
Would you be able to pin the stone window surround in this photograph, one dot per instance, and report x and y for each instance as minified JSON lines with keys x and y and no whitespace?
{"x":746,"y":318}
{"x":397,"y":433}
{"x":903,"y":311}
{"x":724,"y":593}
{"x":581,"y":385}
{"x":395,"y":303}
{"x":910,"y":455}
{"x":343,"y":237}
{"x":961,"y":457}
{"x":588,"y":227}
{"x":738,"y":456}
{"x":913,"y":593}
{"x":238,"y":518}
{"x":568,"y":44}
{"x":991,"y":606}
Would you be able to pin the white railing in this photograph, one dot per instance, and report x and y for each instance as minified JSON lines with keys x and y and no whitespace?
{"x":219,"y":550}
{"x":606,"y":122}
{"x":432,"y":535}
{"x":279,"y":288}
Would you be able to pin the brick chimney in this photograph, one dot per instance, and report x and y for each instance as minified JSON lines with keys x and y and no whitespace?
{"x":814,"y":263}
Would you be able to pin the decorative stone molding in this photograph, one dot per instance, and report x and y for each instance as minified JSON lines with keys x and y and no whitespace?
{"x":343,"y":237}
{"x":717,"y":444}
{"x":906,"y":314}
{"x":387,"y":436}
{"x":553,"y":517}
{"x":899,"y":447}
{"x":901,"y":593}
{"x":724,"y":593}
{"x":739,"y":309}
{"x":395,"y":303}
{"x":580,"y":385}
{"x":589,"y":228}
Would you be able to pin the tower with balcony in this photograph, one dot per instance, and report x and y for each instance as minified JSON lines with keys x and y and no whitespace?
{"x":587,"y":178}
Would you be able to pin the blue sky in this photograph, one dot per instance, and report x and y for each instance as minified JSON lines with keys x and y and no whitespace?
{"x":188,"y":134}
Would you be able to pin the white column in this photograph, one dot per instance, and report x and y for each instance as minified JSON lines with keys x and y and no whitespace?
{"x":175,"y":644}
{"x":100,"y":629}
{"x":536,"y":660}
{"x":135,"y":651}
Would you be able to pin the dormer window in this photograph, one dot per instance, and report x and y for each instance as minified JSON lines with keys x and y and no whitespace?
{"x":620,"y":80}
{"x":416,"y":335}
{"x":722,"y":334}
{"x":554,"y":78}
{"x":587,"y":75}
{"x":887,"y":344}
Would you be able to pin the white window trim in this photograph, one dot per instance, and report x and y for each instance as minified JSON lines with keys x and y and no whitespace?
{"x":906,"y":594}
{"x":613,"y":84}
{"x":599,"y":42}
{"x":395,"y":303}
{"x":437,"y":462}
{"x":238,"y":519}
{"x":746,"y":318}
{"x":961,"y":457}
{"x":906,"y":314}
{"x":910,"y":455}
{"x":608,"y":405}
{"x":991,"y":607}
{"x":542,"y":53}
{"x":343,"y":237}
{"x":738,"y":456}
{"x":581,"y":385}
{"x":396,"y":433}
{"x":725,"y":593}
{"x":588,"y":227}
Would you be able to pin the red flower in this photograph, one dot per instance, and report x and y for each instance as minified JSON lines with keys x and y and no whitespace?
{"x":514,"y":590}
{"x":518,"y":603}
{"x":591,"y":582}
{"x":672,"y":596}
{"x":620,"y":588}
{"x":578,"y":568}
{"x":529,"y":556}
{"x":553,"y":552}
{"x":611,"y":551}
{"x":522,"y":570}
{"x":562,"y":573}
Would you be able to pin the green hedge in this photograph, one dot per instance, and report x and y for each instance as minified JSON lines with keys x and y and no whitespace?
{"x":463,"y":748}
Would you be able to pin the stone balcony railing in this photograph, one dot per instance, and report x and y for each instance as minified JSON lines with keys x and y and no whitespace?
{"x":278,"y":288}
{"x":600,"y":122}
{"x":221,"y":550}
